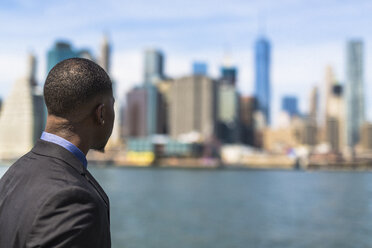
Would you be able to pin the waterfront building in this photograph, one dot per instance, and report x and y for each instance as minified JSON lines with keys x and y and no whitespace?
{"x":308,"y":133}
{"x":354,"y":91}
{"x":123,"y":117}
{"x":105,"y":56}
{"x":22,"y":118}
{"x":145,"y":112}
{"x":200,"y":68}
{"x":60,"y":51}
{"x":290,"y":105}
{"x":313,"y":105}
{"x":366,"y":136}
{"x":152,"y":108}
{"x":64,"y":50}
{"x":104,"y":61}
{"x":153,"y":66}
{"x":192,"y":108}
{"x":280,"y":140}
{"x":229,"y":75}
{"x":163,"y":88}
{"x":136,"y":112}
{"x":335,"y":119}
{"x":329,"y":82}
{"x":247,"y":107}
{"x":227,"y":113}
{"x":262,"y":87}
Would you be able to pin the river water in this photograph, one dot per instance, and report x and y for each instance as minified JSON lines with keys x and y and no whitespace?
{"x":171,"y":208}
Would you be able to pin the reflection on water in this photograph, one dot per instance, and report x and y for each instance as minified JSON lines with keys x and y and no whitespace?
{"x":219,"y":208}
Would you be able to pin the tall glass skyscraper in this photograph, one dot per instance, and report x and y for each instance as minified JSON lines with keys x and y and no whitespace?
{"x":153,"y":66}
{"x":199,"y":68}
{"x":153,"y":72}
{"x":354,"y":91}
{"x":290,"y":105}
{"x":229,"y":74}
{"x":262,"y":77}
{"x":62,"y":50}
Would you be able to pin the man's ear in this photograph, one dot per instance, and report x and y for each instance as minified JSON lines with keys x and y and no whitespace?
{"x":100,"y":113}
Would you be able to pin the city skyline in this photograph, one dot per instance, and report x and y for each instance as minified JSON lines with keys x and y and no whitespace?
{"x":304,"y":39}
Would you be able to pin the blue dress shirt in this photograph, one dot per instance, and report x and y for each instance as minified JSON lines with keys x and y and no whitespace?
{"x":65,"y":144}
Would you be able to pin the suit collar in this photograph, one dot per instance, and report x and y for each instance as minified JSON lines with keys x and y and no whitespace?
{"x":49,"y":149}
{"x":65,"y":144}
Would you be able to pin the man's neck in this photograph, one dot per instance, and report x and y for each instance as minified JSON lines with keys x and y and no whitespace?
{"x":61,"y":127}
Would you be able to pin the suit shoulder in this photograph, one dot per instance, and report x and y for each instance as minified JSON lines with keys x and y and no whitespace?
{"x":68,"y":209}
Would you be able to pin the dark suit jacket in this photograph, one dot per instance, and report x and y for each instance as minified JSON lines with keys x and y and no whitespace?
{"x":48,"y":199}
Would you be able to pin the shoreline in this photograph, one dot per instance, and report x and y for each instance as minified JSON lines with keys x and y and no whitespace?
{"x":350,"y":167}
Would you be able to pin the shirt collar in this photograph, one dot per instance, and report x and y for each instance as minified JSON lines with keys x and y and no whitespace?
{"x":65,"y":144}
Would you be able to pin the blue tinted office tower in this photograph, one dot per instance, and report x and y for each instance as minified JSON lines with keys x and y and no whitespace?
{"x":62,"y":50}
{"x":199,"y":68}
{"x":152,"y":107}
{"x":290,"y":105}
{"x":153,"y":66}
{"x":262,"y":77}
{"x":229,"y":75}
{"x":354,"y":91}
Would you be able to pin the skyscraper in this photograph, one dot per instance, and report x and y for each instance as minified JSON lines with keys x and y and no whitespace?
{"x":366,"y":136}
{"x":229,"y":74}
{"x":192,"y":106}
{"x":22,"y":117}
{"x":227,"y":113}
{"x":136,"y":121}
{"x":61,"y":50}
{"x":64,"y":50}
{"x":262,"y":77}
{"x":335,"y":123}
{"x":104,"y":60}
{"x":313,"y":106}
{"x":290,"y":105}
{"x":247,"y":108}
{"x":153,"y":66}
{"x":354,"y":91}
{"x":329,"y":82}
{"x":199,"y":68}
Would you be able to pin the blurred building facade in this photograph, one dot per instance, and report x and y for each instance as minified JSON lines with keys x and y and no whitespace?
{"x":290,"y":105}
{"x":227,"y":121}
{"x":64,"y":50}
{"x":104,"y":60}
{"x":22,"y":118}
{"x":354,"y":91}
{"x":366,"y":136}
{"x":136,"y":112}
{"x":262,"y":85}
{"x":153,"y":66}
{"x":229,"y":75}
{"x":314,"y":105}
{"x":60,"y":51}
{"x":248,"y":107}
{"x":200,"y":68}
{"x":192,"y":108}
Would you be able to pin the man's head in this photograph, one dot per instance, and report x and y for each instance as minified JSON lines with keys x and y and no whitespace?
{"x":79,"y":99}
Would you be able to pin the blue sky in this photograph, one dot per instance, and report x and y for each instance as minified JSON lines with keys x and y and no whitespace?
{"x":306,"y":36}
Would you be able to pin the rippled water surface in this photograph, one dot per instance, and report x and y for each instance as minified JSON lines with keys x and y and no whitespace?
{"x":237,"y":208}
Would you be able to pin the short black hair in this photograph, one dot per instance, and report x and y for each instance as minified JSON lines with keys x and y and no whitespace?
{"x":73,"y":82}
